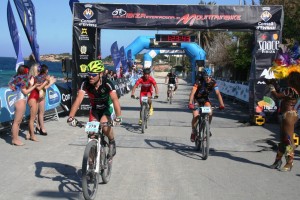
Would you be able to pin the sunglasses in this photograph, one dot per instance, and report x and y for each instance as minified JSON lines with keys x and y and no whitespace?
{"x":92,"y":74}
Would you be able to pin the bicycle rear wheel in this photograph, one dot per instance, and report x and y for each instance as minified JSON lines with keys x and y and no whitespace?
{"x":90,"y":178}
{"x":143,"y":118}
{"x":106,"y":165}
{"x":205,"y":140}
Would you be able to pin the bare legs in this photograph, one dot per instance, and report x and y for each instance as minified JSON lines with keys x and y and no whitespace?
{"x":33,"y":112}
{"x":41,"y":113}
{"x":288,"y":122}
{"x":286,"y":146}
{"x":20,"y":107}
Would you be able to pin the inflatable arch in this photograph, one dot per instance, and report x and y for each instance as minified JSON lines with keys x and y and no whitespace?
{"x":196,"y":54}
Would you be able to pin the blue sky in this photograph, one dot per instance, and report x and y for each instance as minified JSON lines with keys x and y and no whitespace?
{"x":54,"y":26}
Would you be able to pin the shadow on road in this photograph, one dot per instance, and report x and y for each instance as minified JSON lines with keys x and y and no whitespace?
{"x":180,"y":148}
{"x":68,"y":177}
{"x":236,"y":158}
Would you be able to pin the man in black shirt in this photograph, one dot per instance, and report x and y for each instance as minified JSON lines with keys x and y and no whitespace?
{"x":171,"y":78}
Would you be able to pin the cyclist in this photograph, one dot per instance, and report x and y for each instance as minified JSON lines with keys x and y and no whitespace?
{"x":171,"y":78}
{"x":200,"y":96}
{"x":146,"y":82}
{"x":103,"y":98}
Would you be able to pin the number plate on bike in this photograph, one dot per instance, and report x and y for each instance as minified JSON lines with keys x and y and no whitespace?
{"x":205,"y":109}
{"x":145,"y":99}
{"x":171,"y":85}
{"x":92,"y":127}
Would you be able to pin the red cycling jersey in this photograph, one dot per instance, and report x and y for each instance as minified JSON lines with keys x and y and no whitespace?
{"x":146,"y":85}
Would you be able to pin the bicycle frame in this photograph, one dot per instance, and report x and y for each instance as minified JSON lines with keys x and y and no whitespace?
{"x":98,"y":136}
{"x":144,"y":112}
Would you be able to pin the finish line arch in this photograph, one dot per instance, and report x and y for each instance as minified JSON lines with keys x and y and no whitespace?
{"x":265,"y":21}
{"x":196,"y":54}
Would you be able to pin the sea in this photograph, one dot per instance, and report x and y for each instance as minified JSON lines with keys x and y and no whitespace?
{"x":7,"y":70}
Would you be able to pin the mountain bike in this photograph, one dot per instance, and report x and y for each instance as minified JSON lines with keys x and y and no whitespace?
{"x":171,"y":92}
{"x":95,"y":159}
{"x":203,"y":132}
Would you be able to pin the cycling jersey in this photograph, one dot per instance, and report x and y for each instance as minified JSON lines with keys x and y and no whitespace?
{"x":172,"y":78}
{"x":100,"y":98}
{"x":146,"y":85}
{"x":204,"y":89}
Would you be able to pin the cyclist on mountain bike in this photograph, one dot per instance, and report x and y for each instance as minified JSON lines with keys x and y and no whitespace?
{"x":199,"y":96}
{"x":146,"y":82}
{"x":103,"y":98}
{"x":171,"y":78}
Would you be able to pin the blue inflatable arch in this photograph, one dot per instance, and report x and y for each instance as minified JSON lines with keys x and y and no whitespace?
{"x":196,"y":54}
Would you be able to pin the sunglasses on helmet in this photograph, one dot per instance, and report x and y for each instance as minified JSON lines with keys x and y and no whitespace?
{"x":92,"y":74}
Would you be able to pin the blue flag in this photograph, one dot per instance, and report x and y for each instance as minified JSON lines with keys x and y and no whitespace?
{"x":129,"y":58}
{"x":14,"y":34}
{"x":26,"y":13}
{"x":71,"y":4}
{"x":123,"y":59}
{"x":115,"y":55}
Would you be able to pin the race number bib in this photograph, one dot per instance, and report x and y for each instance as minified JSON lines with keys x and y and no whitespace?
{"x":144,"y":99}
{"x":205,"y":109}
{"x":92,"y":126}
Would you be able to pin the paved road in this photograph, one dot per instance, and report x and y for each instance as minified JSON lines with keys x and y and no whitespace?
{"x":158,"y":165}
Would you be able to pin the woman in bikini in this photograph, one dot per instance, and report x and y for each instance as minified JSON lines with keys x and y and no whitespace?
{"x":43,"y":75}
{"x":33,"y":100}
{"x":289,"y":97}
{"x":22,"y":84}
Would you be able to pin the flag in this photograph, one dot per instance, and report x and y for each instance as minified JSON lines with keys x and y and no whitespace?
{"x":14,"y":34}
{"x":129,"y":57}
{"x":71,"y":4}
{"x":123,"y":59}
{"x":26,"y":13}
{"x":115,"y":55}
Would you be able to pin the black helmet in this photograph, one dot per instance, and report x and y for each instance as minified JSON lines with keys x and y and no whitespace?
{"x":146,"y":71}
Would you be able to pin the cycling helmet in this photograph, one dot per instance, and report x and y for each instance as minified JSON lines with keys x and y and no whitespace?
{"x":207,"y":72}
{"x":146,"y":71}
{"x":96,"y":66}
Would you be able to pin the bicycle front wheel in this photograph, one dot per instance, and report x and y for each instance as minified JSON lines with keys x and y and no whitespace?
{"x":106,"y":165}
{"x":143,"y":118}
{"x":205,"y":140}
{"x":90,"y":178}
{"x":198,"y":134}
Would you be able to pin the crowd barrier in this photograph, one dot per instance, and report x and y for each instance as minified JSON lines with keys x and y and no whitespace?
{"x":235,"y":90}
{"x":8,"y":100}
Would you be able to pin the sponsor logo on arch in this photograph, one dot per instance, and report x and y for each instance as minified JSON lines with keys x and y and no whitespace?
{"x":88,"y":14}
{"x":266,"y":24}
{"x":268,"y":42}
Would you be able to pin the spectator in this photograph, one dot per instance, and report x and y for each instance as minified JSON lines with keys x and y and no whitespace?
{"x":22,"y":84}
{"x":289,"y":117}
{"x":33,"y":100}
{"x":43,"y":76}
